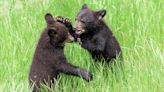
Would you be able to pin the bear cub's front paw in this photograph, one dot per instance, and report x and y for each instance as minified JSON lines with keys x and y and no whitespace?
{"x":63,"y":20}
{"x":59,"y":19}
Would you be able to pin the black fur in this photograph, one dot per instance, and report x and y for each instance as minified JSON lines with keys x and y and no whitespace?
{"x":49,"y":59}
{"x":98,"y":39}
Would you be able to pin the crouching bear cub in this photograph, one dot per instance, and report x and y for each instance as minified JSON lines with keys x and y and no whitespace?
{"x":49,"y":59}
{"x":95,"y":35}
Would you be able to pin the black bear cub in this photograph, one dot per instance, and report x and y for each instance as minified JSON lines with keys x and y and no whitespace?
{"x":95,"y":35}
{"x":49,"y":59}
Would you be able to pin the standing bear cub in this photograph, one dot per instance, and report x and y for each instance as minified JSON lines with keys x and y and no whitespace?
{"x":95,"y":35}
{"x":49,"y":59}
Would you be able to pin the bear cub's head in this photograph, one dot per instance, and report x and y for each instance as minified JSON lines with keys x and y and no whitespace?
{"x":87,"y":20}
{"x":57,"y":32}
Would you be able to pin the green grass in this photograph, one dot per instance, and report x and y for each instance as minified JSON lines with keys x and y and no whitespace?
{"x":137,"y":24}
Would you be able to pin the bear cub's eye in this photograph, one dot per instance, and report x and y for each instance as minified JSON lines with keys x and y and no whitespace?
{"x":82,"y":20}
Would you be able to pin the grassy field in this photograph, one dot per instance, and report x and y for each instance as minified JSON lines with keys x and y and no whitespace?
{"x":137,"y":24}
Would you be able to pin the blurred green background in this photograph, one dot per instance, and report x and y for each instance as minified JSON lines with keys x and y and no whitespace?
{"x":137,"y":25}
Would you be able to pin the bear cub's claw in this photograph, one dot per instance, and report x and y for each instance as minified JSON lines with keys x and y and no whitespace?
{"x":60,"y":19}
{"x":90,"y":77}
{"x":63,"y":20}
{"x":86,"y":75}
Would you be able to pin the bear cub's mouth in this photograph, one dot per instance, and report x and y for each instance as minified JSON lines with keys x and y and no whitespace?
{"x":79,"y":31}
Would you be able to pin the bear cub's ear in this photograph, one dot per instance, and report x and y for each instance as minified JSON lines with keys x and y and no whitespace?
{"x":101,"y":13}
{"x":49,"y":18}
{"x":52,"y":32}
{"x":84,"y":6}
